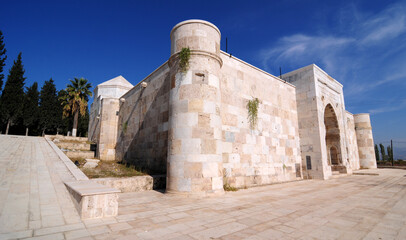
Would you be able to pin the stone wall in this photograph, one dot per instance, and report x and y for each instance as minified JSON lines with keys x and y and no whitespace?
{"x":134,"y":184}
{"x":142,"y":138}
{"x":271,"y":151}
{"x":330,"y":93}
{"x":94,"y":120}
{"x":352,"y":142}
{"x":193,"y":124}
{"x":195,"y":146}
{"x":322,"y":121}
{"x":106,"y":148}
{"x":104,"y":116}
{"x":309,"y":131}
{"x":200,"y":126}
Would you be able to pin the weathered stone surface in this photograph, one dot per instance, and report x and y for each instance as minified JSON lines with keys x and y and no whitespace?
{"x":93,"y":200}
{"x":190,"y":121}
{"x":330,"y":136}
{"x":78,"y":154}
{"x":133,"y":184}
{"x":200,"y":153}
{"x":91,"y":163}
{"x":365,"y":140}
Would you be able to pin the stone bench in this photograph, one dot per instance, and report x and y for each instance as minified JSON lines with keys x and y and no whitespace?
{"x":93,"y":200}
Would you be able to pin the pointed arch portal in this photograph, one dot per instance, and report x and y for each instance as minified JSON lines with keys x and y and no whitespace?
{"x":332,"y":136}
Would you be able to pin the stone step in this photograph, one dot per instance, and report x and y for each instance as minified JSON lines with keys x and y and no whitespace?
{"x":337,"y":174}
{"x":79,"y":154}
{"x":66,"y":138}
{"x":73,"y":146}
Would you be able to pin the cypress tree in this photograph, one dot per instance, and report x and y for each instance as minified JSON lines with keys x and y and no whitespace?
{"x":382,"y":151}
{"x":376,"y":153}
{"x":48,"y":108}
{"x":63,"y":124}
{"x":12,"y":98}
{"x":31,"y":110}
{"x":389,"y":151}
{"x":3,"y":58}
{"x":83,"y":124}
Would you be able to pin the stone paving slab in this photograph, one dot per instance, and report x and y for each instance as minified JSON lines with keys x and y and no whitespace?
{"x":34,"y":204}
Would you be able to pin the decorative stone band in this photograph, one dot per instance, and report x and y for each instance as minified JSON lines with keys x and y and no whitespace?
{"x":363,"y":126}
{"x":362,"y":121}
{"x":195,"y":21}
{"x":174,"y":57}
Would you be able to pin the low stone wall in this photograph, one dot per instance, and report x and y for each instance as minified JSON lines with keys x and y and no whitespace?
{"x":76,"y":146}
{"x":66,"y":138}
{"x":79,"y":154}
{"x":93,"y":200}
{"x":134,"y":184}
{"x":76,"y":172}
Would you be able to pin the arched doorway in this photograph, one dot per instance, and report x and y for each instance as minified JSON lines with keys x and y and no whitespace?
{"x":334,"y":156}
{"x":332,"y":136}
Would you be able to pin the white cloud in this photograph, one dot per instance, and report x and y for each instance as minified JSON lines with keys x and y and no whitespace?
{"x":353,"y":89}
{"x":345,"y":54}
{"x":299,"y":46}
{"x":388,"y":24}
{"x":398,"y":106}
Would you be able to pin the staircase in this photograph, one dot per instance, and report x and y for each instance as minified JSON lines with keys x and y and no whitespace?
{"x":338,"y":171}
{"x":73,"y":147}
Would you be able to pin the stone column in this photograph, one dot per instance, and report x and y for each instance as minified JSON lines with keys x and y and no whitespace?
{"x":194,"y":146}
{"x":365,"y":141}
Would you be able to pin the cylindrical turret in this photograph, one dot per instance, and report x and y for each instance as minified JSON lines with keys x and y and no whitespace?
{"x":194,"y":147}
{"x":365,"y":140}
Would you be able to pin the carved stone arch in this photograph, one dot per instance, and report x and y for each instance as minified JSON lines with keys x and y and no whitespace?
{"x":334,"y":156}
{"x":333,"y":138}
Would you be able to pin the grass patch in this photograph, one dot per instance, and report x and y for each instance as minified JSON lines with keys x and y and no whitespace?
{"x":107,"y":169}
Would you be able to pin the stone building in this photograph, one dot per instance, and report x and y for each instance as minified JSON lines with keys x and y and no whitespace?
{"x":193,"y":125}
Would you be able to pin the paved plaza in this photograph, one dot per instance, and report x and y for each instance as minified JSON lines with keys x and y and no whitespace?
{"x":34,"y":204}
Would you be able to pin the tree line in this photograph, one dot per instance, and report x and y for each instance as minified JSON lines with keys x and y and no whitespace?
{"x":33,"y":111}
{"x":381,"y":155}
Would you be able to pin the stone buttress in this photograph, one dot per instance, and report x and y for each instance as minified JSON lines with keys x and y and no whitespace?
{"x":365,"y":140}
{"x":194,"y":145}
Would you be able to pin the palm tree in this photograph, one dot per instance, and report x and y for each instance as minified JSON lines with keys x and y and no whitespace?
{"x":75,"y":100}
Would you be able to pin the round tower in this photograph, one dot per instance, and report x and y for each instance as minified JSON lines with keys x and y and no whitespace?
{"x":365,"y":140}
{"x":194,"y":146}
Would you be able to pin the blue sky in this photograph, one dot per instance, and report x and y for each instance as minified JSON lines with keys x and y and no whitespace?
{"x":362,"y":44}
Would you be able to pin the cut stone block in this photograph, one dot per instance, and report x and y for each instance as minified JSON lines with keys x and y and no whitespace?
{"x":134,"y":184}
{"x":91,"y":163}
{"x":79,"y":154}
{"x":73,"y":146}
{"x":93,"y":200}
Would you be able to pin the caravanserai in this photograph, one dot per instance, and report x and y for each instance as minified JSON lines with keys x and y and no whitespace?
{"x":207,"y":119}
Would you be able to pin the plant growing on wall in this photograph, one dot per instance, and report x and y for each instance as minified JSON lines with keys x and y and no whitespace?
{"x":252,"y":107}
{"x":226,"y":185}
{"x":184,"y":57}
{"x":125,"y":125}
